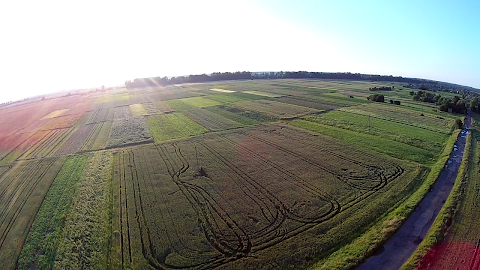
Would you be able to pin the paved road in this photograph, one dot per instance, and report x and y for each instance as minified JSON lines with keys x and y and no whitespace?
{"x":396,"y":251}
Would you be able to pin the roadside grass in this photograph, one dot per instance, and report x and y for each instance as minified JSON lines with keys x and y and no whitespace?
{"x":39,"y":250}
{"x":352,"y":254}
{"x":381,"y":145}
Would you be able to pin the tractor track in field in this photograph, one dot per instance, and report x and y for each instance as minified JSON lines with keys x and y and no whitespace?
{"x":277,"y":220}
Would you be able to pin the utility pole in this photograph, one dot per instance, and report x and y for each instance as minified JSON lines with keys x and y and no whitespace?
{"x":369,"y":123}
{"x":196,"y":156}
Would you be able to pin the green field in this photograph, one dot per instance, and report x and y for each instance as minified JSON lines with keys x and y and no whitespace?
{"x":254,"y":174}
{"x":173,"y":126}
{"x":41,"y":244}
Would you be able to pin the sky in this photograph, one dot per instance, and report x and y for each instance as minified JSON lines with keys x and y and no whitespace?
{"x":48,"y":46}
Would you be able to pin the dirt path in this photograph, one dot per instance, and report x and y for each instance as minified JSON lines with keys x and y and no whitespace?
{"x":400,"y":247}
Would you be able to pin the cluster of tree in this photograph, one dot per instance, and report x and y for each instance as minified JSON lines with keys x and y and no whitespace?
{"x":396,"y":102}
{"x":475,"y":104}
{"x":376,"y":97}
{"x":425,"y":96}
{"x":382,"y":88}
{"x":455,"y":104}
{"x":458,"y":123}
{"x":245,"y":75}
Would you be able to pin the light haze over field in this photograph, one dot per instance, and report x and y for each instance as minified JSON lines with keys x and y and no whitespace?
{"x":57,"y":45}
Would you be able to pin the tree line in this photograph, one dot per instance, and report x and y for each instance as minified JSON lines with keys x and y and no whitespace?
{"x":246,"y":75}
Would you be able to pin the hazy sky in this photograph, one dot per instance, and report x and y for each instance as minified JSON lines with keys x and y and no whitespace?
{"x":48,"y":46}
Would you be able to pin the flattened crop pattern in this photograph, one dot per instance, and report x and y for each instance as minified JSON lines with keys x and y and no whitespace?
{"x":233,"y":205}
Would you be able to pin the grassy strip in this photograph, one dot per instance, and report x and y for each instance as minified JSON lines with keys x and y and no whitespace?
{"x":361,"y":248}
{"x":87,"y":231}
{"x":40,"y":247}
{"x":407,"y":130}
{"x":391,"y":148}
{"x":380,"y":131}
{"x":437,"y":232}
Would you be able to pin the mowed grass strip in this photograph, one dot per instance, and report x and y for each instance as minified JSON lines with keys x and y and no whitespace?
{"x":138,"y":110}
{"x":276,"y":109}
{"x":381,"y":145}
{"x":211,"y":120}
{"x":173,"y":126}
{"x":40,"y":248}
